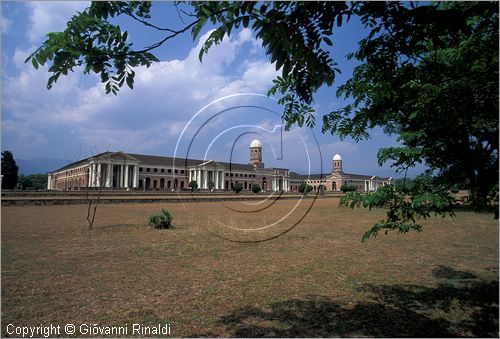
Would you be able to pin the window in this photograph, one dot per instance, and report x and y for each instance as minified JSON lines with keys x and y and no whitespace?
{"x":227,"y":174}
{"x":245,"y":176}
{"x":163,"y":170}
{"x":148,"y":169}
{"x":155,"y":170}
{"x":182,"y":171}
{"x":231,"y":174}
{"x":140,"y":169}
{"x":176,"y":171}
{"x":169,"y":170}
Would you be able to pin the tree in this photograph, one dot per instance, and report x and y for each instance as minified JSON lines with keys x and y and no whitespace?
{"x":9,"y":171}
{"x":238,"y":187}
{"x":404,"y":205}
{"x":33,"y":181}
{"x":428,"y":72}
{"x":39,"y":181}
{"x":24,"y":182}
{"x":211,"y":185}
{"x":304,"y":188}
{"x":348,"y":188}
{"x":256,"y":188}
{"x":193,"y":185}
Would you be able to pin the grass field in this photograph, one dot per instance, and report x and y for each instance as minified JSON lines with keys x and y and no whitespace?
{"x":316,"y":280}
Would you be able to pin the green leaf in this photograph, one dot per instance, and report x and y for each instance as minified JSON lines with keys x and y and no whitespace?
{"x":34,"y":63}
{"x":130,"y":82}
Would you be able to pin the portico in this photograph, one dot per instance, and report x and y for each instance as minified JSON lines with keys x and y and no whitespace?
{"x":116,"y":170}
{"x":208,"y":171}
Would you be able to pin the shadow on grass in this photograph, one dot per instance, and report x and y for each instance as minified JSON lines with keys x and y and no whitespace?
{"x":450,"y":309}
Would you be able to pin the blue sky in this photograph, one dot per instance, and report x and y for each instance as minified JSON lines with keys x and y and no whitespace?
{"x":164,"y":113}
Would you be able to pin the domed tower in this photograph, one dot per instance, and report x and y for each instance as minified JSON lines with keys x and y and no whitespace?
{"x":256,"y":154}
{"x":337,"y":163}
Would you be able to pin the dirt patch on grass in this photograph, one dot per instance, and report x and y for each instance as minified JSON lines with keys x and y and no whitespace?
{"x":316,"y":280}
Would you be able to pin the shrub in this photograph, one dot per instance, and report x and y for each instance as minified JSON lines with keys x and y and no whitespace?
{"x":256,"y":188}
{"x":348,"y":188}
{"x":305,"y":188}
{"x":211,"y":185}
{"x":237,"y":187}
{"x":193,"y":185}
{"x":161,"y":220}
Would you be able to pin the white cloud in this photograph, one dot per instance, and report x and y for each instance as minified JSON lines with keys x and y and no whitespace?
{"x":50,"y":16}
{"x":5,"y":24}
{"x":151,"y":116}
{"x":23,"y":135}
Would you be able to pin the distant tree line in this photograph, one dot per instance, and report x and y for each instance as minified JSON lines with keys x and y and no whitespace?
{"x":12,"y":180}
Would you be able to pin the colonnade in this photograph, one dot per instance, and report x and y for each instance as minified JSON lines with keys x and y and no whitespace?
{"x":280,"y":184}
{"x":204,"y":176}
{"x":103,"y":175}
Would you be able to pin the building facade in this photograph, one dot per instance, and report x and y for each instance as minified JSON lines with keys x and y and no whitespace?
{"x":128,"y":171}
{"x":335,"y":180}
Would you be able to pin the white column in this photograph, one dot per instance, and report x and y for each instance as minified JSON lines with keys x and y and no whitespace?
{"x":136,"y":177}
{"x":222,"y":182}
{"x":126,"y":176}
{"x":49,"y":181}
{"x":91,"y":175}
{"x":94,"y":175}
{"x":120,"y":176}
{"x":108,"y":176}
{"x":99,"y":174}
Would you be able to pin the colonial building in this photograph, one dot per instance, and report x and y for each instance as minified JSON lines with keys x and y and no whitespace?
{"x":335,"y":180}
{"x":119,"y":170}
{"x":128,"y":171}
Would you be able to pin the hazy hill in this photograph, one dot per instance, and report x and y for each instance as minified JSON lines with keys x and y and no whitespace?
{"x":39,"y":165}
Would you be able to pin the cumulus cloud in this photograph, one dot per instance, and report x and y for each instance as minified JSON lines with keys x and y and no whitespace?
{"x":22,"y":135}
{"x":5,"y":24}
{"x":151,"y":116}
{"x":50,"y":16}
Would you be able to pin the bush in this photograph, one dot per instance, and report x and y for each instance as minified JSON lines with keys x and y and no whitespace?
{"x":348,"y":188}
{"x":193,"y":185}
{"x":211,"y":185}
{"x":161,"y":220}
{"x":256,"y":188}
{"x":238,"y":187}
{"x":305,"y":188}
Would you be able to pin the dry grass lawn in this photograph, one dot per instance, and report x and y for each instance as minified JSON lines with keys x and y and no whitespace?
{"x":316,"y":280}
